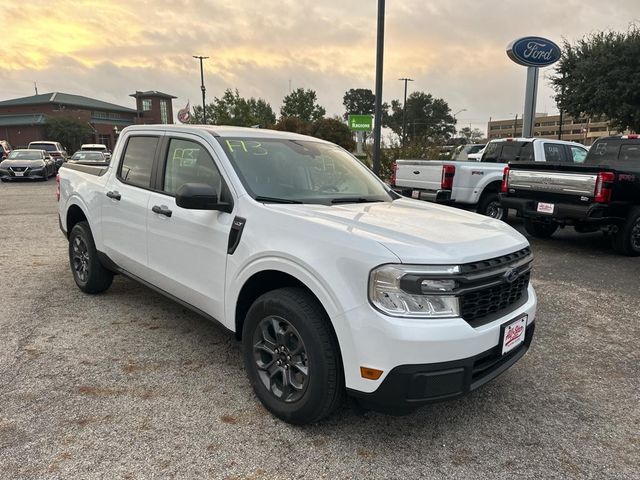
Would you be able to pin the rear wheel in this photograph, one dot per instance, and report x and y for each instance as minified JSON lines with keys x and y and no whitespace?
{"x":626,"y":241}
{"x":490,"y":206}
{"x":88,"y":272}
{"x":291,"y":356}
{"x":539,"y":229}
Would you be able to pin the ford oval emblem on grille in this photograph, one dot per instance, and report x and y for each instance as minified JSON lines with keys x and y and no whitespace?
{"x":511,"y":275}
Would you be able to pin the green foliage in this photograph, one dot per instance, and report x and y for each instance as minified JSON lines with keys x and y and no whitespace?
{"x":600,"y":75}
{"x":428,"y":119}
{"x":470,"y":135}
{"x":302,"y":103}
{"x":359,"y":101}
{"x":329,"y":129}
{"x":293,"y":124}
{"x":334,"y":131}
{"x":232,"y":109}
{"x":70,"y":132}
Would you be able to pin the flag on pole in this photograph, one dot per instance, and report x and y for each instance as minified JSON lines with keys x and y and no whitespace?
{"x":184,"y":114}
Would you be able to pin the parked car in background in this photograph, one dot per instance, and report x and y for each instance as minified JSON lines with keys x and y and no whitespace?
{"x":461,"y":153}
{"x":5,"y":149}
{"x":477,"y":184}
{"x":476,"y":156}
{"x":27,"y":163}
{"x":55,"y":149}
{"x":601,"y":193}
{"x":96,"y":147}
{"x":333,"y":283}
{"x":89,"y":157}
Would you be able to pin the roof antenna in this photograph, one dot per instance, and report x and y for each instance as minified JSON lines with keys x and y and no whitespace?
{"x":35,"y":85}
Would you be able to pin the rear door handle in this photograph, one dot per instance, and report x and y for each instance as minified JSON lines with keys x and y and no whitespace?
{"x":161,"y":210}
{"x":417,"y":172}
{"x":114,"y":195}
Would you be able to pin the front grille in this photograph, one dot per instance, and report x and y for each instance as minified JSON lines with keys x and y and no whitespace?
{"x":497,"y":262}
{"x":478,"y":304}
{"x":18,"y":169}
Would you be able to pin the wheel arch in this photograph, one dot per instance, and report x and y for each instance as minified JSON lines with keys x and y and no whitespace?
{"x":74,"y":214}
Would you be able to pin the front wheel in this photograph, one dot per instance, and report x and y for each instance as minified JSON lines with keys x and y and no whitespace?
{"x":539,"y":229}
{"x":291,"y":356}
{"x":490,"y":206}
{"x":626,"y":240}
{"x":88,"y":272}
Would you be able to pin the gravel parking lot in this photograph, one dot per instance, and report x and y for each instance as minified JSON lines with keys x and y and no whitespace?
{"x":131,"y":385}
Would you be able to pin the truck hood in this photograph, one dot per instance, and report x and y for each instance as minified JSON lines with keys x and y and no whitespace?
{"x":417,"y":232}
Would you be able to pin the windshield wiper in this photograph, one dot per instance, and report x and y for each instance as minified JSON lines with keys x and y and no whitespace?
{"x":355,"y":200}
{"x":260,"y":198}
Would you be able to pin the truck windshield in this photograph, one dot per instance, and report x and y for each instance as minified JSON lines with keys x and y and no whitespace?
{"x":300,"y":171}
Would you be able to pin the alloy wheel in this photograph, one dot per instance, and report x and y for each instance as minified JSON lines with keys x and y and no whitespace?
{"x":281,"y":358}
{"x":635,"y":235}
{"x":80,"y":258}
{"x":495,"y":210}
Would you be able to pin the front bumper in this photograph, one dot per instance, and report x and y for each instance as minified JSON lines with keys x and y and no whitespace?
{"x":371,"y":339}
{"x":28,"y":173}
{"x":407,"y":387}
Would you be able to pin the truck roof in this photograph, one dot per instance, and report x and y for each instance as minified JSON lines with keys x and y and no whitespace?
{"x":529,"y":139}
{"x":225,"y":131}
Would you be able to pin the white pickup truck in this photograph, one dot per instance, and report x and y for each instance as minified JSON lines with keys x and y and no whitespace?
{"x":333,"y":282}
{"x":478,"y":183}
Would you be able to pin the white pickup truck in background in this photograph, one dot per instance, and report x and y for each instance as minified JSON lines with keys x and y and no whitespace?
{"x":478,"y":183}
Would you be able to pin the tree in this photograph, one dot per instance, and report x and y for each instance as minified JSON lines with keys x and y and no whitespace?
{"x":293,"y":124}
{"x":70,"y":132}
{"x":302,"y":103}
{"x":333,"y":130}
{"x":359,"y":101}
{"x":232,"y":109}
{"x":471,"y":135}
{"x":600,"y":75}
{"x":428,"y":118}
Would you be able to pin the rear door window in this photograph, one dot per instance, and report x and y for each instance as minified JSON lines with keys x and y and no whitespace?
{"x":554,"y":153}
{"x":526,"y":152}
{"x":630,"y":154}
{"x":604,"y":152}
{"x":137,"y":161}
{"x":510,"y":152}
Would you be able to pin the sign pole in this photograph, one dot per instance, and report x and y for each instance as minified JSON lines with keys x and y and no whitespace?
{"x":359,"y":135}
{"x":531,"y":93}
{"x":377,"y":126}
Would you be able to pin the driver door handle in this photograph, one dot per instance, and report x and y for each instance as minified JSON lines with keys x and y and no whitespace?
{"x":114,"y":195}
{"x":161,"y":210}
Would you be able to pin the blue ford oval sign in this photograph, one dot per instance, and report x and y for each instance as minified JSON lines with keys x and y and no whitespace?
{"x":533,"y":51}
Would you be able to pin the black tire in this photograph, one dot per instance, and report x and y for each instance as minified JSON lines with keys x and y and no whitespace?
{"x":88,"y":272}
{"x":539,"y":229}
{"x":490,"y":206}
{"x":318,"y":393}
{"x":626,"y":241}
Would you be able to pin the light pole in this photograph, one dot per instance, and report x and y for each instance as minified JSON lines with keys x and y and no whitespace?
{"x":202,"y":87}
{"x":377,"y":127}
{"x":404,"y":109}
{"x":455,"y":120}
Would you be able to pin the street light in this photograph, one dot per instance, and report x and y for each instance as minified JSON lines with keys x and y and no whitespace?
{"x":404,"y":109}
{"x":202,"y":87}
{"x":455,"y":120}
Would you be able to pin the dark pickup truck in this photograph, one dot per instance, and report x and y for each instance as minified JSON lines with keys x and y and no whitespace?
{"x":603,"y":193}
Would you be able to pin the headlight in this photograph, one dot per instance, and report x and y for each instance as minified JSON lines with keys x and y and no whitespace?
{"x":415,"y":291}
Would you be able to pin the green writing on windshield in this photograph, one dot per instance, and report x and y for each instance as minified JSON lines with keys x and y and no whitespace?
{"x":249,"y":146}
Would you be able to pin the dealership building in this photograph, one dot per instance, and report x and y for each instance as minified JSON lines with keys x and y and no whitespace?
{"x":23,"y":120}
{"x":584,"y":130}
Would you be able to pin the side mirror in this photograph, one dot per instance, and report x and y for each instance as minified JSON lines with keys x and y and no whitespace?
{"x":199,"y":196}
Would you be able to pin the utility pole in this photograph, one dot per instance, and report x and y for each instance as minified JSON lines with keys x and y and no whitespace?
{"x":404,"y":109}
{"x":455,"y":119}
{"x":202,"y":87}
{"x":35,"y":85}
{"x":377,"y":127}
{"x":515,"y":127}
{"x":561,"y":112}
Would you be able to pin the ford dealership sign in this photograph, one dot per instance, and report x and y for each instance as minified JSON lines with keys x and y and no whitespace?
{"x":533,"y":51}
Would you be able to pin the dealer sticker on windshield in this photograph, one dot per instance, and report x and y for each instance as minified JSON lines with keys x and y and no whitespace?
{"x":513,"y":334}
{"x":545,"y":207}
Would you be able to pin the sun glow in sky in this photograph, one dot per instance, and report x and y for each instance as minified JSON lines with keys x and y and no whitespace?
{"x":456,"y":50}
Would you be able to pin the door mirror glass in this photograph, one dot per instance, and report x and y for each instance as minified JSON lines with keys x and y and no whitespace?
{"x":200,"y":196}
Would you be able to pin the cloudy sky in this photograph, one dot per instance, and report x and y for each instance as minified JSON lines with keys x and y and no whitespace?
{"x":107,"y":49}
